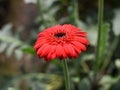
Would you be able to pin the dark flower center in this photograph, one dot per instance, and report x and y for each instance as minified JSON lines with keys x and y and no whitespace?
{"x":59,"y":35}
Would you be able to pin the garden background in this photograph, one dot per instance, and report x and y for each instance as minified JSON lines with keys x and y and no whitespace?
{"x":22,"y":20}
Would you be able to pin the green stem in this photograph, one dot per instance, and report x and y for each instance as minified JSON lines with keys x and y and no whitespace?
{"x":110,"y":53}
{"x":74,"y":12}
{"x":66,"y":75}
{"x":41,"y":12}
{"x":100,"y":22}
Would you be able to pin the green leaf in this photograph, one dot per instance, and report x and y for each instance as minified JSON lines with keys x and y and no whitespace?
{"x":6,"y":30}
{"x":85,"y":85}
{"x":29,"y":50}
{"x":110,"y":53}
{"x":107,"y":81}
{"x":102,"y":44}
{"x":92,"y":34}
{"x":116,"y":22}
{"x":37,"y":81}
{"x":10,"y":44}
{"x":3,"y":46}
{"x":103,"y":40}
{"x":18,"y":54}
{"x":117,"y":63}
{"x":11,"y":48}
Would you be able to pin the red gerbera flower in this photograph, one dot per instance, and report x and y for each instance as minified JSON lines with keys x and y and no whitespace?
{"x":61,"y":41}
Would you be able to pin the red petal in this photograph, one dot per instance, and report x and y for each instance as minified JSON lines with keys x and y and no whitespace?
{"x":82,"y":34}
{"x":40,"y":50}
{"x":45,"y":58}
{"x":66,"y":49}
{"x":45,"y":51}
{"x":69,"y":28}
{"x":70,"y":51}
{"x":76,"y":44}
{"x":53,"y":56}
{"x":81,"y":40}
{"x":38,"y":45}
{"x":79,"y":45}
{"x":57,"y":27}
{"x":42,"y":34}
{"x":66,"y":28}
{"x":82,"y":47}
{"x":60,"y":52}
{"x":51,"y":52}
{"x":78,"y":50}
{"x":75,"y":55}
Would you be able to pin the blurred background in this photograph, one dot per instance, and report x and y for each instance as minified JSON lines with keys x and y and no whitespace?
{"x":22,"y":20}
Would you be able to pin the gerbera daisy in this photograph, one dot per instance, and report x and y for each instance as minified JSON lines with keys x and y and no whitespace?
{"x":61,"y":41}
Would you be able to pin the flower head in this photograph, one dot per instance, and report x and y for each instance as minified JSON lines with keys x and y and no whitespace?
{"x":61,"y":41}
